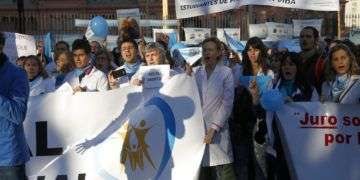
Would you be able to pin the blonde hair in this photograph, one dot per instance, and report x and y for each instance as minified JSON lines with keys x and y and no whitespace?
{"x":330,"y":72}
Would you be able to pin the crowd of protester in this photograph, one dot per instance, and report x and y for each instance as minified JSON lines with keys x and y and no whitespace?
{"x":236,"y":134}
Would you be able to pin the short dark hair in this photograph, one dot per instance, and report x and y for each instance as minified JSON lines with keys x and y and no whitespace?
{"x":316,"y":33}
{"x":128,"y":41}
{"x":63,"y":42}
{"x":2,"y":38}
{"x":81,"y":44}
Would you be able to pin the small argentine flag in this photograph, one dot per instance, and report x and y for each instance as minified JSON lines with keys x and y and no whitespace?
{"x":233,"y":43}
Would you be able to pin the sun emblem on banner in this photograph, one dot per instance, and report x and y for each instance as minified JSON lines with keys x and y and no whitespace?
{"x":135,"y":152}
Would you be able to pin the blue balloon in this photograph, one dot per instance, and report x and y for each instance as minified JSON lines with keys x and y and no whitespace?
{"x":272,"y":100}
{"x":99,"y":26}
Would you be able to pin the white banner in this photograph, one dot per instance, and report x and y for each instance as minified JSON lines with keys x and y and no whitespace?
{"x":196,"y":35}
{"x":258,"y":30}
{"x":192,"y":8}
{"x":322,"y":141}
{"x":163,"y":34}
{"x":143,"y":22}
{"x":152,"y":142}
{"x":300,"y":24}
{"x":232,"y":32}
{"x":278,"y":31}
{"x":111,"y":42}
{"x":17,"y":45}
{"x":316,"y":5}
{"x":157,"y":23}
{"x":122,"y":14}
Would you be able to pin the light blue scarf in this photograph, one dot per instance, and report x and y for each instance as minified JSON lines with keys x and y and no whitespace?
{"x":132,"y":68}
{"x":287,"y":87}
{"x":339,"y":86}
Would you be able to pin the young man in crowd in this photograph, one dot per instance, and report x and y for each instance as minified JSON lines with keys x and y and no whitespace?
{"x":312,"y":62}
{"x":86,"y":77}
{"x":14,"y":93}
{"x":129,"y":52}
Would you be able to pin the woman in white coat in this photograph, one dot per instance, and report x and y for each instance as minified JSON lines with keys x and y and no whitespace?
{"x":216,"y":88}
{"x":342,"y":76}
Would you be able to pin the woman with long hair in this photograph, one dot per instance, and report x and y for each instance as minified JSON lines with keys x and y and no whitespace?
{"x":247,"y":110}
{"x":342,"y":77}
{"x":294,"y":88}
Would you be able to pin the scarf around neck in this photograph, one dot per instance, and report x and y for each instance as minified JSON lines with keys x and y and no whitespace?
{"x":287,"y":87}
{"x":339,"y":86}
{"x":132,"y":68}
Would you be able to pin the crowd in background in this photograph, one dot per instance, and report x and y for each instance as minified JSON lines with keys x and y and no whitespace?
{"x":236,"y":134}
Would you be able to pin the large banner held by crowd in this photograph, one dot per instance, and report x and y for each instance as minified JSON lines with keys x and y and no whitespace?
{"x":192,"y":8}
{"x":322,"y":141}
{"x":117,"y":134}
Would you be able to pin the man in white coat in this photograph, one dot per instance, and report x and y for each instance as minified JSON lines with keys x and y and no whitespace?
{"x":216,"y":88}
{"x":86,"y":77}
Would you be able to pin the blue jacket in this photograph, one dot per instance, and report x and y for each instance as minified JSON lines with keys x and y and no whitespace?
{"x":14,"y":93}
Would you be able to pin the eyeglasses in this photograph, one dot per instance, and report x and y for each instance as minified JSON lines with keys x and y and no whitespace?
{"x":128,"y":48}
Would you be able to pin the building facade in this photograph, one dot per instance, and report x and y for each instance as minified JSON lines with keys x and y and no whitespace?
{"x":352,"y":14}
{"x":57,"y":16}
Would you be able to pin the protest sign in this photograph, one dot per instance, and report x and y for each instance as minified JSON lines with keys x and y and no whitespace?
{"x":163,"y":34}
{"x":300,"y":24}
{"x":278,"y":31}
{"x":154,"y":76}
{"x":17,"y":45}
{"x":112,"y":129}
{"x":355,"y":36}
{"x":196,"y":35}
{"x":321,"y":140}
{"x":123,"y":14}
{"x":258,"y":30}
{"x":111,"y":42}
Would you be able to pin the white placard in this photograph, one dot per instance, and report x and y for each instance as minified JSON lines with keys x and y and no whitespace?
{"x":278,"y":31}
{"x":154,"y":76}
{"x":300,"y":24}
{"x":163,"y":34}
{"x":196,"y":35}
{"x":17,"y":45}
{"x":122,"y":14}
{"x":232,"y":32}
{"x":258,"y":30}
{"x":111,"y":42}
